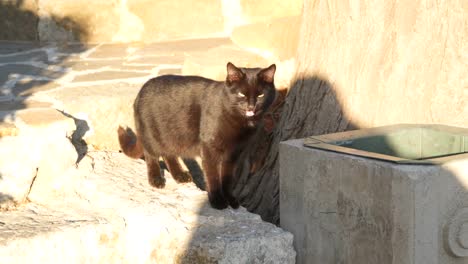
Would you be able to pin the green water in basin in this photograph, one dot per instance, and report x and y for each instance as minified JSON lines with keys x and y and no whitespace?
{"x":398,"y":143}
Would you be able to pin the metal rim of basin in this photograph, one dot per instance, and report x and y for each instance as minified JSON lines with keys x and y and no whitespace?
{"x":324,"y":142}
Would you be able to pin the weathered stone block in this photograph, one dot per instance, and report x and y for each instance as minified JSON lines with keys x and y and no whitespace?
{"x":347,"y":209}
{"x":106,"y":212}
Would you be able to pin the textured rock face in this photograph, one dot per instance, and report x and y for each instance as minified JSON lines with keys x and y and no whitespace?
{"x":377,"y":55}
{"x":106,"y":212}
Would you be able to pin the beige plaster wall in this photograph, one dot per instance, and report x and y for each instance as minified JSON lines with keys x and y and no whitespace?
{"x":390,"y":61}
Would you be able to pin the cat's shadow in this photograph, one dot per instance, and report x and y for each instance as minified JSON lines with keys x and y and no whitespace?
{"x":194,"y":168}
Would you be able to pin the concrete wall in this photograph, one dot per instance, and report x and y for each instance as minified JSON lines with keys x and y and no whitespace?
{"x":389,"y":61}
{"x":347,"y":209}
{"x":149,"y":21}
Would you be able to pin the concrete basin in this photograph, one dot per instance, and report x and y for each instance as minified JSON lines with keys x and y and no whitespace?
{"x":406,"y":143}
{"x":395,"y":194}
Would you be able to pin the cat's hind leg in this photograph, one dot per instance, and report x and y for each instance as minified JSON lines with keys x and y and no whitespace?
{"x":175,"y":168}
{"x":155,"y":178}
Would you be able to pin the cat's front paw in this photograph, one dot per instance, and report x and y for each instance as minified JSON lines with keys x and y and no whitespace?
{"x":233,"y":202}
{"x":217,"y":201}
{"x":182,"y":177}
{"x":158,"y":182}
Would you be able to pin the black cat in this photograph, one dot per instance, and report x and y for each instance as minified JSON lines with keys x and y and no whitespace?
{"x":188,"y":116}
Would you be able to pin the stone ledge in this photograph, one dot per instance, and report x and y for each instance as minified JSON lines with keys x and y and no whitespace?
{"x":8,"y":130}
{"x":33,"y":148}
{"x":105,"y":211}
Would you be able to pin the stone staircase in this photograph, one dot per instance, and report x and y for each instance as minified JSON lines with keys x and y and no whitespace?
{"x":67,"y":195}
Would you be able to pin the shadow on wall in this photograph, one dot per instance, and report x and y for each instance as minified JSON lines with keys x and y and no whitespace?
{"x":16,"y":22}
{"x":310,"y":108}
{"x":19,"y":21}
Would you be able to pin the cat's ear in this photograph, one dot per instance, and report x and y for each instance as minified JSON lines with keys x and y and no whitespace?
{"x":234,"y":74}
{"x":268,"y":74}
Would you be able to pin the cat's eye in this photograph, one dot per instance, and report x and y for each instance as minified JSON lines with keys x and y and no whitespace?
{"x":240,"y":94}
{"x":260,"y":95}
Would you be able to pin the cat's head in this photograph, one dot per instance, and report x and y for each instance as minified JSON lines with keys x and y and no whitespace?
{"x":251,"y":89}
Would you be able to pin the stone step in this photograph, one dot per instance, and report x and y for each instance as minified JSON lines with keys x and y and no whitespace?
{"x":34,"y":145}
{"x":63,"y":201}
{"x":104,"y":211}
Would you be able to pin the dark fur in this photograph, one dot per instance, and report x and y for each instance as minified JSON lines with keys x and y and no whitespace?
{"x":188,"y":116}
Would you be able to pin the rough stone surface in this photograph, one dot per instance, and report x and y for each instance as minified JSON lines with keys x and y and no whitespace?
{"x":347,"y":209}
{"x":377,"y":54}
{"x":40,"y":146}
{"x":105,"y":212}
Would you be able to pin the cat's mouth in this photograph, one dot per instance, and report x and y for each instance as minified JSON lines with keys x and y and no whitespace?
{"x":252,"y":113}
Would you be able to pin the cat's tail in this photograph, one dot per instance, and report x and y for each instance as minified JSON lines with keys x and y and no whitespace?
{"x":129,"y":146}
